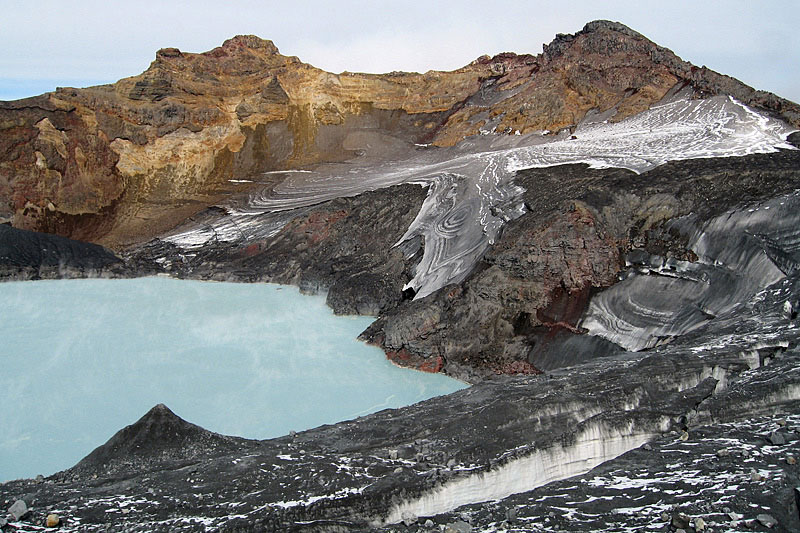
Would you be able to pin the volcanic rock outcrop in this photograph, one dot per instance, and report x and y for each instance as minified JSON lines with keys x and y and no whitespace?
{"x":102,"y":163}
{"x":602,"y":238}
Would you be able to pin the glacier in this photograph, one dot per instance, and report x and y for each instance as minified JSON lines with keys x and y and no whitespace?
{"x":471,"y":190}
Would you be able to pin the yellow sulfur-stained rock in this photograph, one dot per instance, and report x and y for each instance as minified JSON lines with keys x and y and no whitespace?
{"x":118,"y":164}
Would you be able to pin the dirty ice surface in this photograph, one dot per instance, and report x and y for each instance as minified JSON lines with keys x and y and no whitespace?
{"x":471,"y":192}
{"x":83,"y":358}
{"x":739,"y":253}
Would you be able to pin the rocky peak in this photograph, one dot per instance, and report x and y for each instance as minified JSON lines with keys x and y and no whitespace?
{"x":503,"y":62}
{"x":252,"y":42}
{"x":609,"y":25}
{"x":159,"y":425}
{"x":168,"y":53}
{"x":160,"y":433}
{"x":601,"y":37}
{"x":241,"y":44}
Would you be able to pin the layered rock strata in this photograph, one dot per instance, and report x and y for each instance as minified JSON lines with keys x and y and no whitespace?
{"x":26,"y":255}
{"x":102,"y":163}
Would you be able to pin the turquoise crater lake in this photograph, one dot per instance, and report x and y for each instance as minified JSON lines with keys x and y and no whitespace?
{"x":81,"y":359}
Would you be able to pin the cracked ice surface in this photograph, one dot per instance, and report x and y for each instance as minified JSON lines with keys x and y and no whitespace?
{"x":471,"y":190}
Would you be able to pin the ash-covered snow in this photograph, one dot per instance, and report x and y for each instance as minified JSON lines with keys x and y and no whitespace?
{"x":472,"y":194}
{"x":739,"y":254}
{"x":726,"y":474}
{"x":598,"y":443}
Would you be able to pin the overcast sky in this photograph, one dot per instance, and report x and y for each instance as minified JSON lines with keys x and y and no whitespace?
{"x":49,"y":43}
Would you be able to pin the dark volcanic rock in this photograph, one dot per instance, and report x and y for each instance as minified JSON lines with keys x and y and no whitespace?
{"x":344,"y":247}
{"x":347,"y":249}
{"x":502,"y":436}
{"x":522,"y":305}
{"x":637,"y":491}
{"x":160,"y":439}
{"x":32,"y":255}
{"x":531,"y":288}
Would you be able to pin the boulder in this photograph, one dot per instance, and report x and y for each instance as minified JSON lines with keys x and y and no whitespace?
{"x":18,"y":509}
{"x":458,"y":527}
{"x":52,"y":520}
{"x":767,"y":520}
{"x":680,"y":520}
{"x":777,"y":438}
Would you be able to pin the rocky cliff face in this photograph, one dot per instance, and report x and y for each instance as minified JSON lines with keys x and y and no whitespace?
{"x":529,"y":292}
{"x":618,"y":273}
{"x":101,"y":163}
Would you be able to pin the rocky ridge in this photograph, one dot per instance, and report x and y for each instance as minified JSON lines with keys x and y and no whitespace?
{"x":101,"y":163}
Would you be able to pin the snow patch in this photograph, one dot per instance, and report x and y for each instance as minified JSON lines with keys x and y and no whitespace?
{"x":596,"y":444}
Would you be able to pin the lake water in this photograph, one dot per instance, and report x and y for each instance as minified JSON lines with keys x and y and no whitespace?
{"x":81,"y":359}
